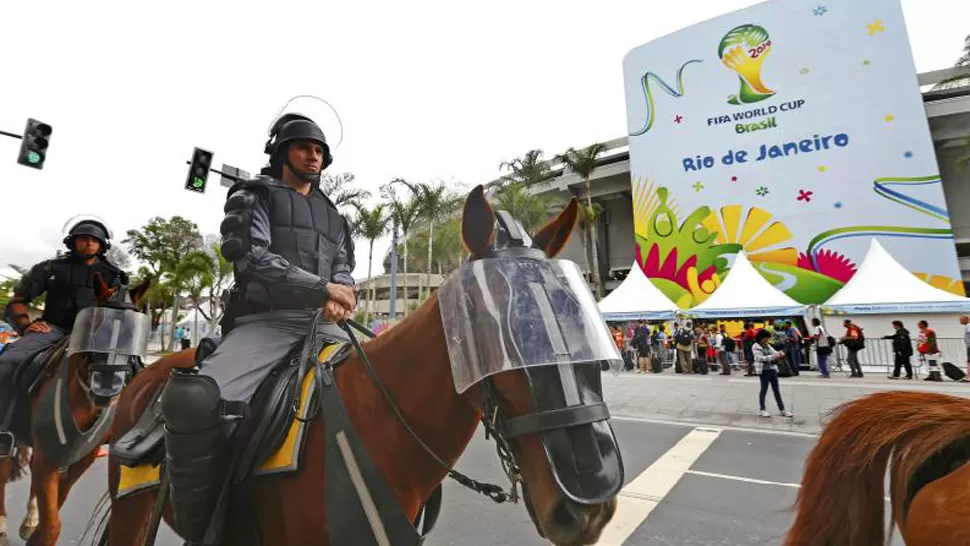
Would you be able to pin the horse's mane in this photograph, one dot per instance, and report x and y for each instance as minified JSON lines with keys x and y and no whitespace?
{"x":841,"y":499}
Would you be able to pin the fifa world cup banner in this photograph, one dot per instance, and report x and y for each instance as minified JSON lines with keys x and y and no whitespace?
{"x":793,"y":130}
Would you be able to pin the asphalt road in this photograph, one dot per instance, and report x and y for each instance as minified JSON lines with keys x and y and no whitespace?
{"x":734,"y":487}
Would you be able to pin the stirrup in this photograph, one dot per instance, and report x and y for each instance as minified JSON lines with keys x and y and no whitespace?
{"x":8,"y":445}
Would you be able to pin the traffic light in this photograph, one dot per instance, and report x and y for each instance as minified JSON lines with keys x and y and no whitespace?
{"x":33,"y":147}
{"x":199,"y":170}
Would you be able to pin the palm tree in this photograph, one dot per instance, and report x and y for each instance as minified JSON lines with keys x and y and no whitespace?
{"x":433,"y":202}
{"x":371,"y":225}
{"x":404,"y":212}
{"x":963,"y":61}
{"x":221,"y":273}
{"x":194,"y":274}
{"x":528,"y":169}
{"x":530,"y":209}
{"x":337,"y":188}
{"x":583,"y":163}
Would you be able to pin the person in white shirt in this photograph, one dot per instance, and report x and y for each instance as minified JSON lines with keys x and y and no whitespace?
{"x":965,"y":321}
{"x":822,"y":347}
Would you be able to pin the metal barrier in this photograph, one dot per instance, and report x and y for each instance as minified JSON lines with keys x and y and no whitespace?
{"x":878,"y":355}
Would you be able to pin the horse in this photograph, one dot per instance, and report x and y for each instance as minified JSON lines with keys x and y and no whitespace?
{"x":90,"y":384}
{"x":402,"y":399}
{"x":924,"y":440}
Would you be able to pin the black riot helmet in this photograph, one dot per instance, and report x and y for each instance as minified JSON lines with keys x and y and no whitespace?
{"x":92,"y":228}
{"x":292,"y":127}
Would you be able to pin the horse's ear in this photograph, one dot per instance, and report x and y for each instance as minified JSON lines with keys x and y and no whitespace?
{"x":102,"y":292}
{"x":553,"y":236}
{"x":477,"y":223}
{"x":138,"y":292}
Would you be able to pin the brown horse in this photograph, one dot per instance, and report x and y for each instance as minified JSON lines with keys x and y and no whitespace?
{"x":50,"y":484}
{"x":412,"y":361}
{"x":923,"y":438}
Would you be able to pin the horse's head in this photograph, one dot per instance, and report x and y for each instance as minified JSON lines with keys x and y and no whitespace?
{"x":526,"y":343}
{"x":110,"y":339}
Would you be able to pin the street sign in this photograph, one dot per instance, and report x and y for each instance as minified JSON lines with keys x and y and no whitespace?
{"x":233,"y":171}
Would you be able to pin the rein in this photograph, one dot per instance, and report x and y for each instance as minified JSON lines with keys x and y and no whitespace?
{"x":494,"y":492}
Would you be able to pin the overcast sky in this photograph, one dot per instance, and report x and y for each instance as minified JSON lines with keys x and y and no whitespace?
{"x":426,"y":91}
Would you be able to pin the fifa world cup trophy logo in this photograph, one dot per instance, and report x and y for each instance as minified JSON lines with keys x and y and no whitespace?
{"x":744,"y":50}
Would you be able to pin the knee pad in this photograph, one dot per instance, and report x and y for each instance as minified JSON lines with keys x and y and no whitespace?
{"x":191,"y":402}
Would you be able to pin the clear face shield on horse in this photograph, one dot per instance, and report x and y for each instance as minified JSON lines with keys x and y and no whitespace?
{"x":524,"y":312}
{"x":113,"y":341}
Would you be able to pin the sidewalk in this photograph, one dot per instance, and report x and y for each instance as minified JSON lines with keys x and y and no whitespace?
{"x":733,"y":401}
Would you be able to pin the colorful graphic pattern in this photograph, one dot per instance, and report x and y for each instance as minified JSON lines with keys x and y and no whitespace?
{"x":686,"y":252}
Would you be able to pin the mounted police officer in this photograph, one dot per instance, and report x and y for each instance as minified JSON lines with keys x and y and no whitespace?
{"x":292,"y":254}
{"x":69,"y":284}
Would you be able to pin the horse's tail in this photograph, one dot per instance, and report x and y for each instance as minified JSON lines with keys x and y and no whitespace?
{"x":841,"y":499}
{"x":19,"y":465}
{"x":97,"y":526}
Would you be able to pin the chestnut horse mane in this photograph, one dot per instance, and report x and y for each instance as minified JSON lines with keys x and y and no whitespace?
{"x":842,"y":497}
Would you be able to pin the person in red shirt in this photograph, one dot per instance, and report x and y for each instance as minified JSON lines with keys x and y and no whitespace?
{"x":929,"y":350}
{"x":747,"y":342}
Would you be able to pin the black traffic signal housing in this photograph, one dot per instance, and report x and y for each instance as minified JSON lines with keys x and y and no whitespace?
{"x":199,"y":170}
{"x":33,"y":147}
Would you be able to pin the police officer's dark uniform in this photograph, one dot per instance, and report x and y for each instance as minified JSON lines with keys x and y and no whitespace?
{"x":285,"y":249}
{"x":69,"y":284}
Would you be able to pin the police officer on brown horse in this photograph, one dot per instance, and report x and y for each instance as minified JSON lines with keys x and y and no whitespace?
{"x":292,"y":254}
{"x":69,"y":284}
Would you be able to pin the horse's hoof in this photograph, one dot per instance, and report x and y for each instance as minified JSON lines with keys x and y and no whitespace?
{"x":26,"y":531}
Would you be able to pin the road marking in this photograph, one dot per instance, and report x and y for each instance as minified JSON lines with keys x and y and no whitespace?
{"x":748,"y":480}
{"x":646,"y":491}
{"x":741,"y":478}
{"x":694,"y":424}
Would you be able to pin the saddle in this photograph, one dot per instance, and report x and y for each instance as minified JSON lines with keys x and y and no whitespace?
{"x":260,"y":436}
{"x":24,"y":382}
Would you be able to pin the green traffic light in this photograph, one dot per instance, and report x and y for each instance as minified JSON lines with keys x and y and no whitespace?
{"x":197,"y":182}
{"x":33,"y":157}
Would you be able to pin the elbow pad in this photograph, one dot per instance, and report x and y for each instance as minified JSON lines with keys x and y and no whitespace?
{"x":235,"y":226}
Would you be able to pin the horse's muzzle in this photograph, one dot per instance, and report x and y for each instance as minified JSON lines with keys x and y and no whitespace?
{"x":107,"y":382}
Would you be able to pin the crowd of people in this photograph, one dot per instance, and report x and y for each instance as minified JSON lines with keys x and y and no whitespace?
{"x":775,"y":349}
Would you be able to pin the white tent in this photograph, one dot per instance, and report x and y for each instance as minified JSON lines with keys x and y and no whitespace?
{"x":637,"y":298}
{"x":745,"y":293}
{"x":882,"y":286}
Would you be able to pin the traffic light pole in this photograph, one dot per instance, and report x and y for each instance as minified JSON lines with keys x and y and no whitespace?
{"x":12,"y":135}
{"x":217,"y":171}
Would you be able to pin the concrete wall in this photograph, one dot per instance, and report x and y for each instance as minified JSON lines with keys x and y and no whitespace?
{"x":956,"y":188}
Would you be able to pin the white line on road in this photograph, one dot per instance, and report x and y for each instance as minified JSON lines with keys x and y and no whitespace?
{"x":692,"y":424}
{"x":748,"y":480}
{"x":647,"y":490}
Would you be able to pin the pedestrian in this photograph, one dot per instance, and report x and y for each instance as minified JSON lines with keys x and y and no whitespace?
{"x":747,"y":342}
{"x":965,"y":321}
{"x":929,"y":350}
{"x":902,"y":350}
{"x":823,"y":347}
{"x":854,"y":341}
{"x":684,"y":339}
{"x":765,"y":361}
{"x":793,"y":347}
{"x":641,"y":344}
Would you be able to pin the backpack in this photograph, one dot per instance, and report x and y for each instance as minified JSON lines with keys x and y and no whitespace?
{"x":683,"y":338}
{"x":728,"y":344}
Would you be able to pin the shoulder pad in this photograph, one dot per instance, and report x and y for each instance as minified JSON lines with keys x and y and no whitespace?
{"x":256,"y":184}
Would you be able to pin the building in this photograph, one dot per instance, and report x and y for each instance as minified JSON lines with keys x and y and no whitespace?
{"x":381,"y":306}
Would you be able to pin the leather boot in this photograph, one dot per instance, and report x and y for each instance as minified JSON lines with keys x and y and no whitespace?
{"x":196,"y":450}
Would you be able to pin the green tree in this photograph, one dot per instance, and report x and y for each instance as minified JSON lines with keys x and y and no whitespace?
{"x":8,"y":284}
{"x":371,"y":224}
{"x":433,"y":202}
{"x":339,"y":188}
{"x":404,"y":212}
{"x":161,"y":245}
{"x":221,"y":275}
{"x":530,"y":209}
{"x":194,"y":275}
{"x":962,"y":62}
{"x":583,"y":163}
{"x":528,"y":169}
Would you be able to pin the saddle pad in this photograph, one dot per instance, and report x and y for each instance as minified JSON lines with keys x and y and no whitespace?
{"x":285,"y":459}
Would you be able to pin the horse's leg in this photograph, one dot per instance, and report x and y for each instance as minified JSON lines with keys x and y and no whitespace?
{"x":129,"y":518}
{"x":6,"y":466}
{"x":45,"y":483}
{"x":31,"y":518}
{"x":73,"y":474}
